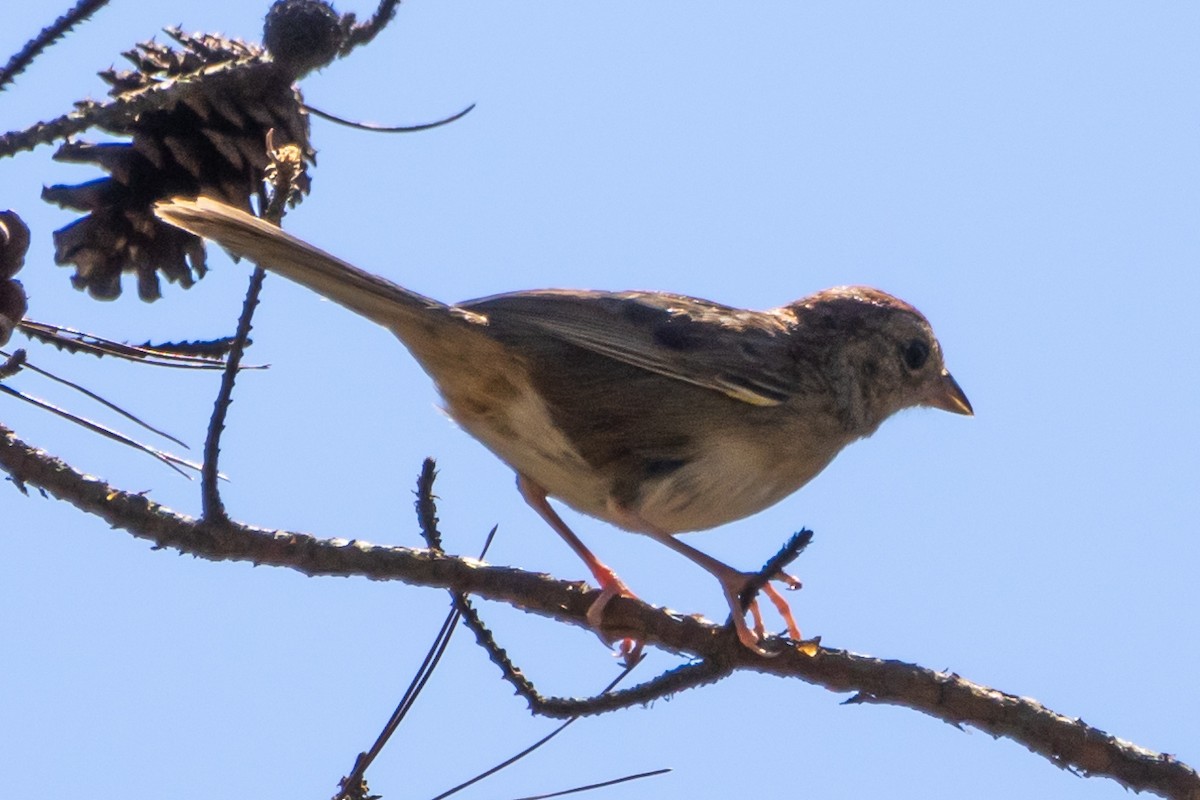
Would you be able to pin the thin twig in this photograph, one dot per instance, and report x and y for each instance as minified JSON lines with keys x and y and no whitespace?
{"x":676,"y":680}
{"x":92,"y":395}
{"x":366,"y":126}
{"x":427,"y":516}
{"x":74,"y":341}
{"x":468,"y":611}
{"x":427,"y":509}
{"x":283,"y":184}
{"x":364,"y":32}
{"x":600,"y":785}
{"x":790,"y":551}
{"x":48,"y":36}
{"x":361,"y":764}
{"x":172,"y":461}
{"x":210,"y":350}
{"x":210,"y":494}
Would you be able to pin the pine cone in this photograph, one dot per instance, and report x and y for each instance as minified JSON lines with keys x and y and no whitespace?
{"x":209,"y":138}
{"x":14,"y":241}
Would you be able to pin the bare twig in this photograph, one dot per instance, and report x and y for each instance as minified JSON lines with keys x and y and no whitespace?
{"x":427,"y":509}
{"x":210,"y":493}
{"x":790,"y":551}
{"x":365,"y":126}
{"x":688,"y":676}
{"x":349,"y":784}
{"x":1064,"y":741}
{"x":472,"y":620}
{"x":427,"y":515}
{"x":600,"y":785}
{"x":92,"y":395}
{"x":283,"y":177}
{"x":207,"y":350}
{"x":172,"y":461}
{"x":48,"y":36}
{"x":364,"y":32}
{"x":185,"y":355}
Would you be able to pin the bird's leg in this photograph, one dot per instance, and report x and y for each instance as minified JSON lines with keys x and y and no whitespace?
{"x":733,"y":583}
{"x":610,"y":585}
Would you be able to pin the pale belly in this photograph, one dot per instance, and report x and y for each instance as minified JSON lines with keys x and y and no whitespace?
{"x":728,"y":480}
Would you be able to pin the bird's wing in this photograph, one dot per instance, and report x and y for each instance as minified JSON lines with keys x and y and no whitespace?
{"x":742,"y":354}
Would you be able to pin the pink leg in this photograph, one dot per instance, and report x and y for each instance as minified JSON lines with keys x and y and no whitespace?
{"x":610,"y":585}
{"x":733,"y":583}
{"x":781,"y":605}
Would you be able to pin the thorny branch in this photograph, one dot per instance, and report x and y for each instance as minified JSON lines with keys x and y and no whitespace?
{"x":214,"y":507}
{"x":671,"y":682}
{"x":48,"y":36}
{"x":283,"y":175}
{"x":1068,"y":743}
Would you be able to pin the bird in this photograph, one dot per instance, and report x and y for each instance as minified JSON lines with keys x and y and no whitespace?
{"x":658,"y":413}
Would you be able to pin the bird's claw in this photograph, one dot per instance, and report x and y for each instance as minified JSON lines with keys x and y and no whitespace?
{"x":734,"y":585}
{"x":629,"y":650}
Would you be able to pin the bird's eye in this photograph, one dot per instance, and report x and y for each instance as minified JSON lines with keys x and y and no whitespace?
{"x":916,"y":353}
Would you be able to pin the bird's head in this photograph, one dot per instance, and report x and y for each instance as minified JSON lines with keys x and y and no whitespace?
{"x":879,"y":355}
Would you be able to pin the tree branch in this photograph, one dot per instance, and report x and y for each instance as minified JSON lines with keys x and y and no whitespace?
{"x":1067,"y":743}
{"x":48,"y":36}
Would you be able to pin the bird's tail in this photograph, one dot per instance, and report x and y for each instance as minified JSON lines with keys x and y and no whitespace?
{"x":452,"y":344}
{"x":247,"y":236}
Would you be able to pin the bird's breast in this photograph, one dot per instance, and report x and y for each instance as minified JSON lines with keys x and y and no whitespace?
{"x":729,"y":469}
{"x":729,"y":478}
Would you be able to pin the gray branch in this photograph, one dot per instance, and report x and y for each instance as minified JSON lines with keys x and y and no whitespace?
{"x":1066,"y":742}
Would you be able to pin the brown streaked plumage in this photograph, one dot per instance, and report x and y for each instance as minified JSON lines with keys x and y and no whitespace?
{"x":656,"y":412}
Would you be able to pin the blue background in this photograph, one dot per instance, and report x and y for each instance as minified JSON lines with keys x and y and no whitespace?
{"x":1024,"y":173}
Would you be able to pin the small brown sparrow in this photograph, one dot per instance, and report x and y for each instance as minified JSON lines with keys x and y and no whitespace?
{"x":656,"y":412}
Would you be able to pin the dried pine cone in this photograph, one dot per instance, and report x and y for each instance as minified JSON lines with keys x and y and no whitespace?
{"x":209,"y":137}
{"x":14,"y":241}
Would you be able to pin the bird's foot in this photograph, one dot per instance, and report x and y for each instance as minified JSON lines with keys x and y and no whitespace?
{"x":629,"y":650}
{"x":734,"y":584}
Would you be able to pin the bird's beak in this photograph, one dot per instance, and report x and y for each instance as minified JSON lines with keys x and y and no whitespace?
{"x":947,"y":395}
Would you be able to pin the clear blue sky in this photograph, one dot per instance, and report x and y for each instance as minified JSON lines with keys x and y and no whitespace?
{"x":1027,"y":174}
